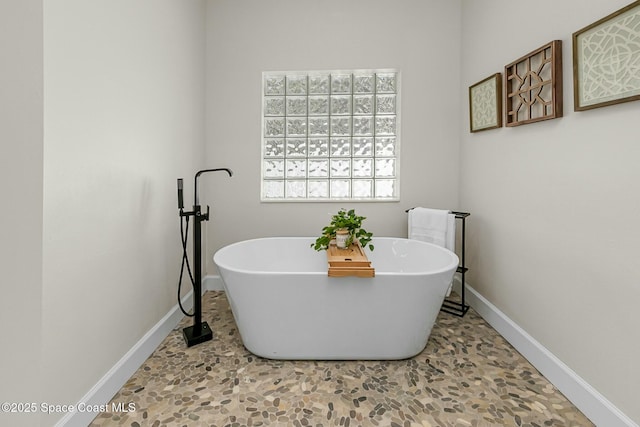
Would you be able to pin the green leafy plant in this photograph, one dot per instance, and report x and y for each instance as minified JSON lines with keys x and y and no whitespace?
{"x":344,"y":220}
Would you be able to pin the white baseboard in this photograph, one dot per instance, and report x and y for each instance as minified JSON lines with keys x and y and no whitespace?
{"x":119,"y":374}
{"x":587,"y":399}
{"x":212,"y":283}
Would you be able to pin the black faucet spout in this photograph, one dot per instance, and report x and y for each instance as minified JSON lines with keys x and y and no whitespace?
{"x":195,"y":186}
{"x":227,"y":170}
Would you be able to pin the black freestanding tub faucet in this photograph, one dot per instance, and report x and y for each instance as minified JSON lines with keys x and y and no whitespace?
{"x":200,"y":331}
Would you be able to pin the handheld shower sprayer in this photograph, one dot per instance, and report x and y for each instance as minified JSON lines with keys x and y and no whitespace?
{"x":180,"y":197}
{"x":200,"y":331}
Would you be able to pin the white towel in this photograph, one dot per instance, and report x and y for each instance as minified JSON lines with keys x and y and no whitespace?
{"x":435,"y":226}
{"x":450,"y":242}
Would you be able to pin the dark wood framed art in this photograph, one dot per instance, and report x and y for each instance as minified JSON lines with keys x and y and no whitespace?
{"x":533,"y":86}
{"x":606,"y":60}
{"x":485,"y":104}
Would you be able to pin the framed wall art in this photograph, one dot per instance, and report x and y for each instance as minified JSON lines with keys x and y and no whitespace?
{"x":485,"y":104}
{"x":606,"y":60}
{"x":533,"y":86}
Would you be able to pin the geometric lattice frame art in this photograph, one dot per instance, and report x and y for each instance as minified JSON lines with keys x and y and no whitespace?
{"x":485,"y":104}
{"x":330,"y":135}
{"x":606,"y":60}
{"x":533,"y":86}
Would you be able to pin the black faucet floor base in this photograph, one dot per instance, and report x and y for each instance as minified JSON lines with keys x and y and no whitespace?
{"x":193,"y":336}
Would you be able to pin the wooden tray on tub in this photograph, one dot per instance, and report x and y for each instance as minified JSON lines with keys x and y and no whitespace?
{"x":351,"y":261}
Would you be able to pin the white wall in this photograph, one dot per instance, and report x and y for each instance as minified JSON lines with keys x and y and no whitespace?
{"x":554,"y":232}
{"x":21,"y":213}
{"x":419,"y":38}
{"x":124,"y":117}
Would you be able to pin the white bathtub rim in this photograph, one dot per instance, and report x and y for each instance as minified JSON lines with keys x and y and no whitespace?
{"x":454,"y":264}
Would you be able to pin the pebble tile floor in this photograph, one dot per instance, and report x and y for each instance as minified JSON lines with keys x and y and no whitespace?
{"x":467,"y":375}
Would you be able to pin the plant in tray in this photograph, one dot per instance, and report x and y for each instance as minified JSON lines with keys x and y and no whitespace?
{"x":344,"y":220}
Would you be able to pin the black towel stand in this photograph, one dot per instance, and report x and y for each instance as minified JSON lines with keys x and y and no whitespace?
{"x":451,"y":306}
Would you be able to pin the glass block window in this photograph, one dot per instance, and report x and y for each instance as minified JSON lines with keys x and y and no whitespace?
{"x":330,"y":135}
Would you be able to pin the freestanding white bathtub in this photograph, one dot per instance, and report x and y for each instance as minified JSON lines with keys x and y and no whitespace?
{"x":286,"y":307}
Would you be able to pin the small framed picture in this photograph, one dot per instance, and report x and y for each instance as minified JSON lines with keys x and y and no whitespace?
{"x":606,"y":60}
{"x":485,"y":104}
